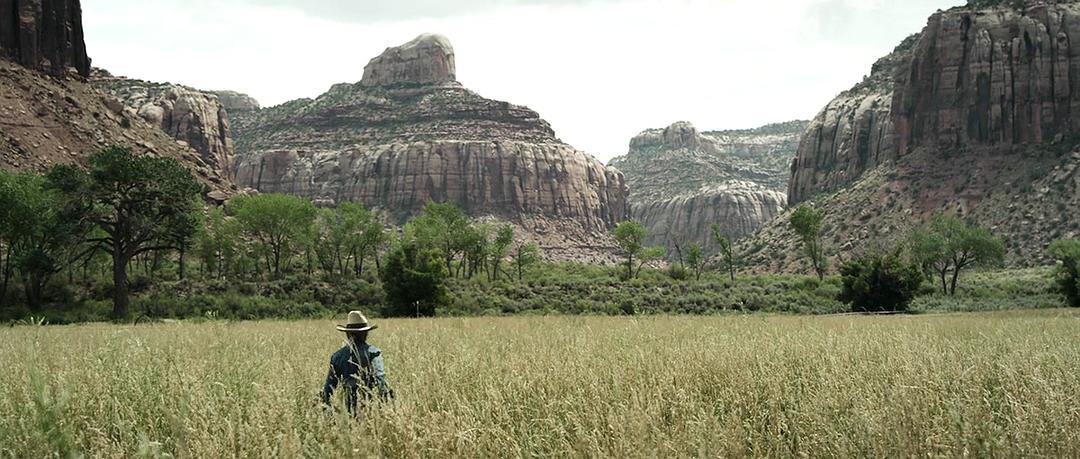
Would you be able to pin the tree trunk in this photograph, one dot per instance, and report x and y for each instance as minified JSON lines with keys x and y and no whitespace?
{"x":630,"y":267}
{"x":120,"y":286}
{"x":944,"y":284}
{"x":6,"y":268}
{"x":182,"y":264}
{"x":955,"y":278}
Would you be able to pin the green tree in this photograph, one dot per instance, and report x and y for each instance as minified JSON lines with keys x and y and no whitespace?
{"x":728,"y":260}
{"x":630,"y":237}
{"x":218,"y":243}
{"x":650,"y":255}
{"x":807,"y":221}
{"x":141,"y":204}
{"x":443,"y":227}
{"x":40,"y":231}
{"x":1067,"y":253}
{"x":413,"y":278}
{"x":499,"y":249}
{"x":695,"y":259}
{"x":526,"y":254}
{"x":9,"y":216}
{"x":879,"y":283}
{"x":278,"y":222}
{"x":948,"y":246}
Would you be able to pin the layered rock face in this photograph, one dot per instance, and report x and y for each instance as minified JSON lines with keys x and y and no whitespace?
{"x":45,"y":35}
{"x":852,"y":134}
{"x":978,"y":117}
{"x":992,"y":77}
{"x":194,"y":117}
{"x":427,"y":59}
{"x":683,"y":181}
{"x":408,"y":134}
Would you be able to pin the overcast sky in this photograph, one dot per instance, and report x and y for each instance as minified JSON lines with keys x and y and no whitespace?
{"x":599,"y":70}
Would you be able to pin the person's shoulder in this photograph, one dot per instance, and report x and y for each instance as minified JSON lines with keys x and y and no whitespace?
{"x":373,"y":351}
{"x":340,"y":354}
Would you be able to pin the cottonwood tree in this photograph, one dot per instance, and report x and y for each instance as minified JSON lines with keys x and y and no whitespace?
{"x":727,"y":251}
{"x":630,"y":237}
{"x":695,"y":259}
{"x":218,"y":243}
{"x":443,"y":227}
{"x":40,"y":229}
{"x":141,"y":204}
{"x":525,"y":254}
{"x":499,"y":249}
{"x":807,"y":221}
{"x":948,"y":246}
{"x":278,"y":222}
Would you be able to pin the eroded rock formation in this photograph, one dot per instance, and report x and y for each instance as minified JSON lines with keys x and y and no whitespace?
{"x":992,"y":77}
{"x":852,"y":134}
{"x":683,"y":181}
{"x":236,"y":102}
{"x":977,"y":116}
{"x":46,"y":121}
{"x":44,"y":35}
{"x":427,"y":59}
{"x":197,"y":118}
{"x":408,"y":134}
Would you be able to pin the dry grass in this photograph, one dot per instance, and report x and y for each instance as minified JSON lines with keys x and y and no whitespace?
{"x":990,"y":384}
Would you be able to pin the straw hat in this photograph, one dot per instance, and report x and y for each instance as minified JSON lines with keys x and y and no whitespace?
{"x":357,"y":322}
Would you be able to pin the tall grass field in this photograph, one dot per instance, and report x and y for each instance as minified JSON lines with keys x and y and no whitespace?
{"x":995,"y":384}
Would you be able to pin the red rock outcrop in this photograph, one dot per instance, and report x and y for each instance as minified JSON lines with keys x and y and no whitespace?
{"x":407,"y":134}
{"x":45,"y":35}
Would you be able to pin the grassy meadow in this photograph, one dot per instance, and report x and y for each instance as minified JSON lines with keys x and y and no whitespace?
{"x":962,"y":384}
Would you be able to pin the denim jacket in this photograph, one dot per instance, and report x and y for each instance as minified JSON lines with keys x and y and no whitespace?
{"x":365,"y":370}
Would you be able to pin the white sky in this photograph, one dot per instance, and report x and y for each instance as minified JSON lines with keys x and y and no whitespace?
{"x":599,"y":71}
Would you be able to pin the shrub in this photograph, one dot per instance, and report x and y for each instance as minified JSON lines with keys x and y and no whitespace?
{"x":413,"y":279}
{"x":1067,"y":252}
{"x":880,"y":283}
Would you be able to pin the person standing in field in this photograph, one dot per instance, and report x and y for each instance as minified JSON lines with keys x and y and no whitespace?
{"x":358,"y":366}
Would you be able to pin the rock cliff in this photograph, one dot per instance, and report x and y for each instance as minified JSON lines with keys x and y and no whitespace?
{"x":46,"y":121}
{"x":852,"y":134}
{"x":236,"y":102}
{"x":197,"y":118}
{"x":682,"y":181}
{"x":427,"y":59}
{"x":45,"y":35}
{"x":976,"y":116}
{"x":408,"y":134}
